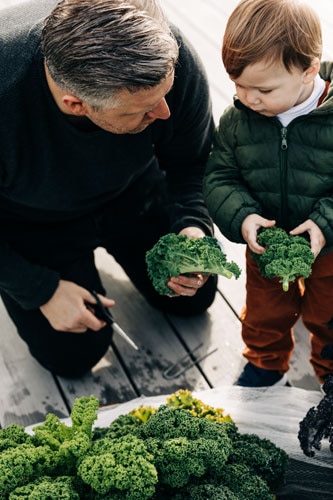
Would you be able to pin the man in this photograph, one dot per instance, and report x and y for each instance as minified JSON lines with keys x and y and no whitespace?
{"x":105,"y":129}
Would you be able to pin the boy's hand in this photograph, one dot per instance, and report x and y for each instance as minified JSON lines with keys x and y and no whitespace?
{"x":251,"y":224}
{"x":317,"y":239}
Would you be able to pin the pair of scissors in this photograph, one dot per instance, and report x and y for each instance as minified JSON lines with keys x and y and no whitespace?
{"x":103,"y":313}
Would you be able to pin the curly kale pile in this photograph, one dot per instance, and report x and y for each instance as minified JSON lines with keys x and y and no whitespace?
{"x":162,"y":453}
{"x":176,"y":254}
{"x":287,"y":257}
{"x":44,"y":465}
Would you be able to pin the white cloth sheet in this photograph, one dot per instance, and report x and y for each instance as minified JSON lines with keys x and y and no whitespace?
{"x":273,"y":413}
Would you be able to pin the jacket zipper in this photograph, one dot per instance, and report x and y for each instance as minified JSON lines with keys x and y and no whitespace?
{"x":284,"y":143}
{"x":284,"y":146}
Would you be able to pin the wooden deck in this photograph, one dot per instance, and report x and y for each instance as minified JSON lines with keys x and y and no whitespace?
{"x":28,"y":391}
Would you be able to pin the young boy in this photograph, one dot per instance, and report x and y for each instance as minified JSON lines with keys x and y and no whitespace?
{"x":272,"y":164}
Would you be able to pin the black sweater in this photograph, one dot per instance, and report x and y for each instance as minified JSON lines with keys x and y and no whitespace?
{"x":50,"y":170}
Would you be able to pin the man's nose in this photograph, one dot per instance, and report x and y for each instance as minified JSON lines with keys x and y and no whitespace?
{"x":161,"y":111}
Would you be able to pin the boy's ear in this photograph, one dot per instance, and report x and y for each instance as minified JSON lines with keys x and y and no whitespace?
{"x":312,"y":71}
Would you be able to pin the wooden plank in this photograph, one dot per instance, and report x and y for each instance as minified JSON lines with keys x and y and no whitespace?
{"x":203,"y":24}
{"x":107,"y":381}
{"x":233,"y":290}
{"x":301,"y":372}
{"x":28,"y":391}
{"x":158,"y":345}
{"x":218,"y":333}
{"x":10,"y":3}
{"x":128,"y":373}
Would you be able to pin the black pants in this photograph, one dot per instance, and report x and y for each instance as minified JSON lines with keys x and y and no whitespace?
{"x":68,"y":248}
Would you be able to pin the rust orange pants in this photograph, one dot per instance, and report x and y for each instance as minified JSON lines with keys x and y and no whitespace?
{"x":270,"y":314}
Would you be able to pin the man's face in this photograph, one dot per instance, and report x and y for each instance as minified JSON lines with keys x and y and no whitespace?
{"x":269,"y":89}
{"x":135,"y":111}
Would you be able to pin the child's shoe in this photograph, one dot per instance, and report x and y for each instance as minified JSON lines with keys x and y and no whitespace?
{"x":253,"y":376}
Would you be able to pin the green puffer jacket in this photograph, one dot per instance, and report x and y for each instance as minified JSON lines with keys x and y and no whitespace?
{"x":282,"y":173}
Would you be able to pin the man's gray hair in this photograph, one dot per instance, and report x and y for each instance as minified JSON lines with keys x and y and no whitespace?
{"x":95,"y":48}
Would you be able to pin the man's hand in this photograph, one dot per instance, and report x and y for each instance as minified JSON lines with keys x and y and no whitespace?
{"x":67,"y":310}
{"x":187,"y":286}
{"x":317,"y":239}
{"x":250,"y":227}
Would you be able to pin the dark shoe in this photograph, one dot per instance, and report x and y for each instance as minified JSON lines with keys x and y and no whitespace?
{"x":253,"y":376}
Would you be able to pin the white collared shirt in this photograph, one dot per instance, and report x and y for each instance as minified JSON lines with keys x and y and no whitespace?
{"x":304,"y":107}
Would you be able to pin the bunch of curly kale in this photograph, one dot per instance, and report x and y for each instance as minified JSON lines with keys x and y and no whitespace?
{"x":287,"y":257}
{"x":181,"y":450}
{"x":176,"y":254}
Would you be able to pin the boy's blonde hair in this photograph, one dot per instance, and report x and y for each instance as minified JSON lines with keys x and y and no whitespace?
{"x":274,"y":30}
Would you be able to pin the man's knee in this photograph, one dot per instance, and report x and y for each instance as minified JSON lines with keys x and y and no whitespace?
{"x":187,"y":306}
{"x":73,"y":355}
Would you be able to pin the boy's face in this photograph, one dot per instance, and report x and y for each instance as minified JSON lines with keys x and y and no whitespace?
{"x":269,"y":89}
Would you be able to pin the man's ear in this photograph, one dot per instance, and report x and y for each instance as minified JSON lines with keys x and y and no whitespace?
{"x":312,"y":71}
{"x":74,"y":105}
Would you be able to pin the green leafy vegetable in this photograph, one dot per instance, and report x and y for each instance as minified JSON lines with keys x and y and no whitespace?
{"x":184,"y":449}
{"x":205,"y":491}
{"x":261,"y":456}
{"x":184,"y":446}
{"x":69,"y":443}
{"x":287,"y":257}
{"x":176,"y":254}
{"x":184,"y":399}
{"x":53,"y":450}
{"x":47,"y":488}
{"x":244,"y":483}
{"x":12,"y":436}
{"x":120,"y":467}
{"x":125,"y":424}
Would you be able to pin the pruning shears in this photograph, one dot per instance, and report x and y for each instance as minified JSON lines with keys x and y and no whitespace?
{"x":103,"y":313}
